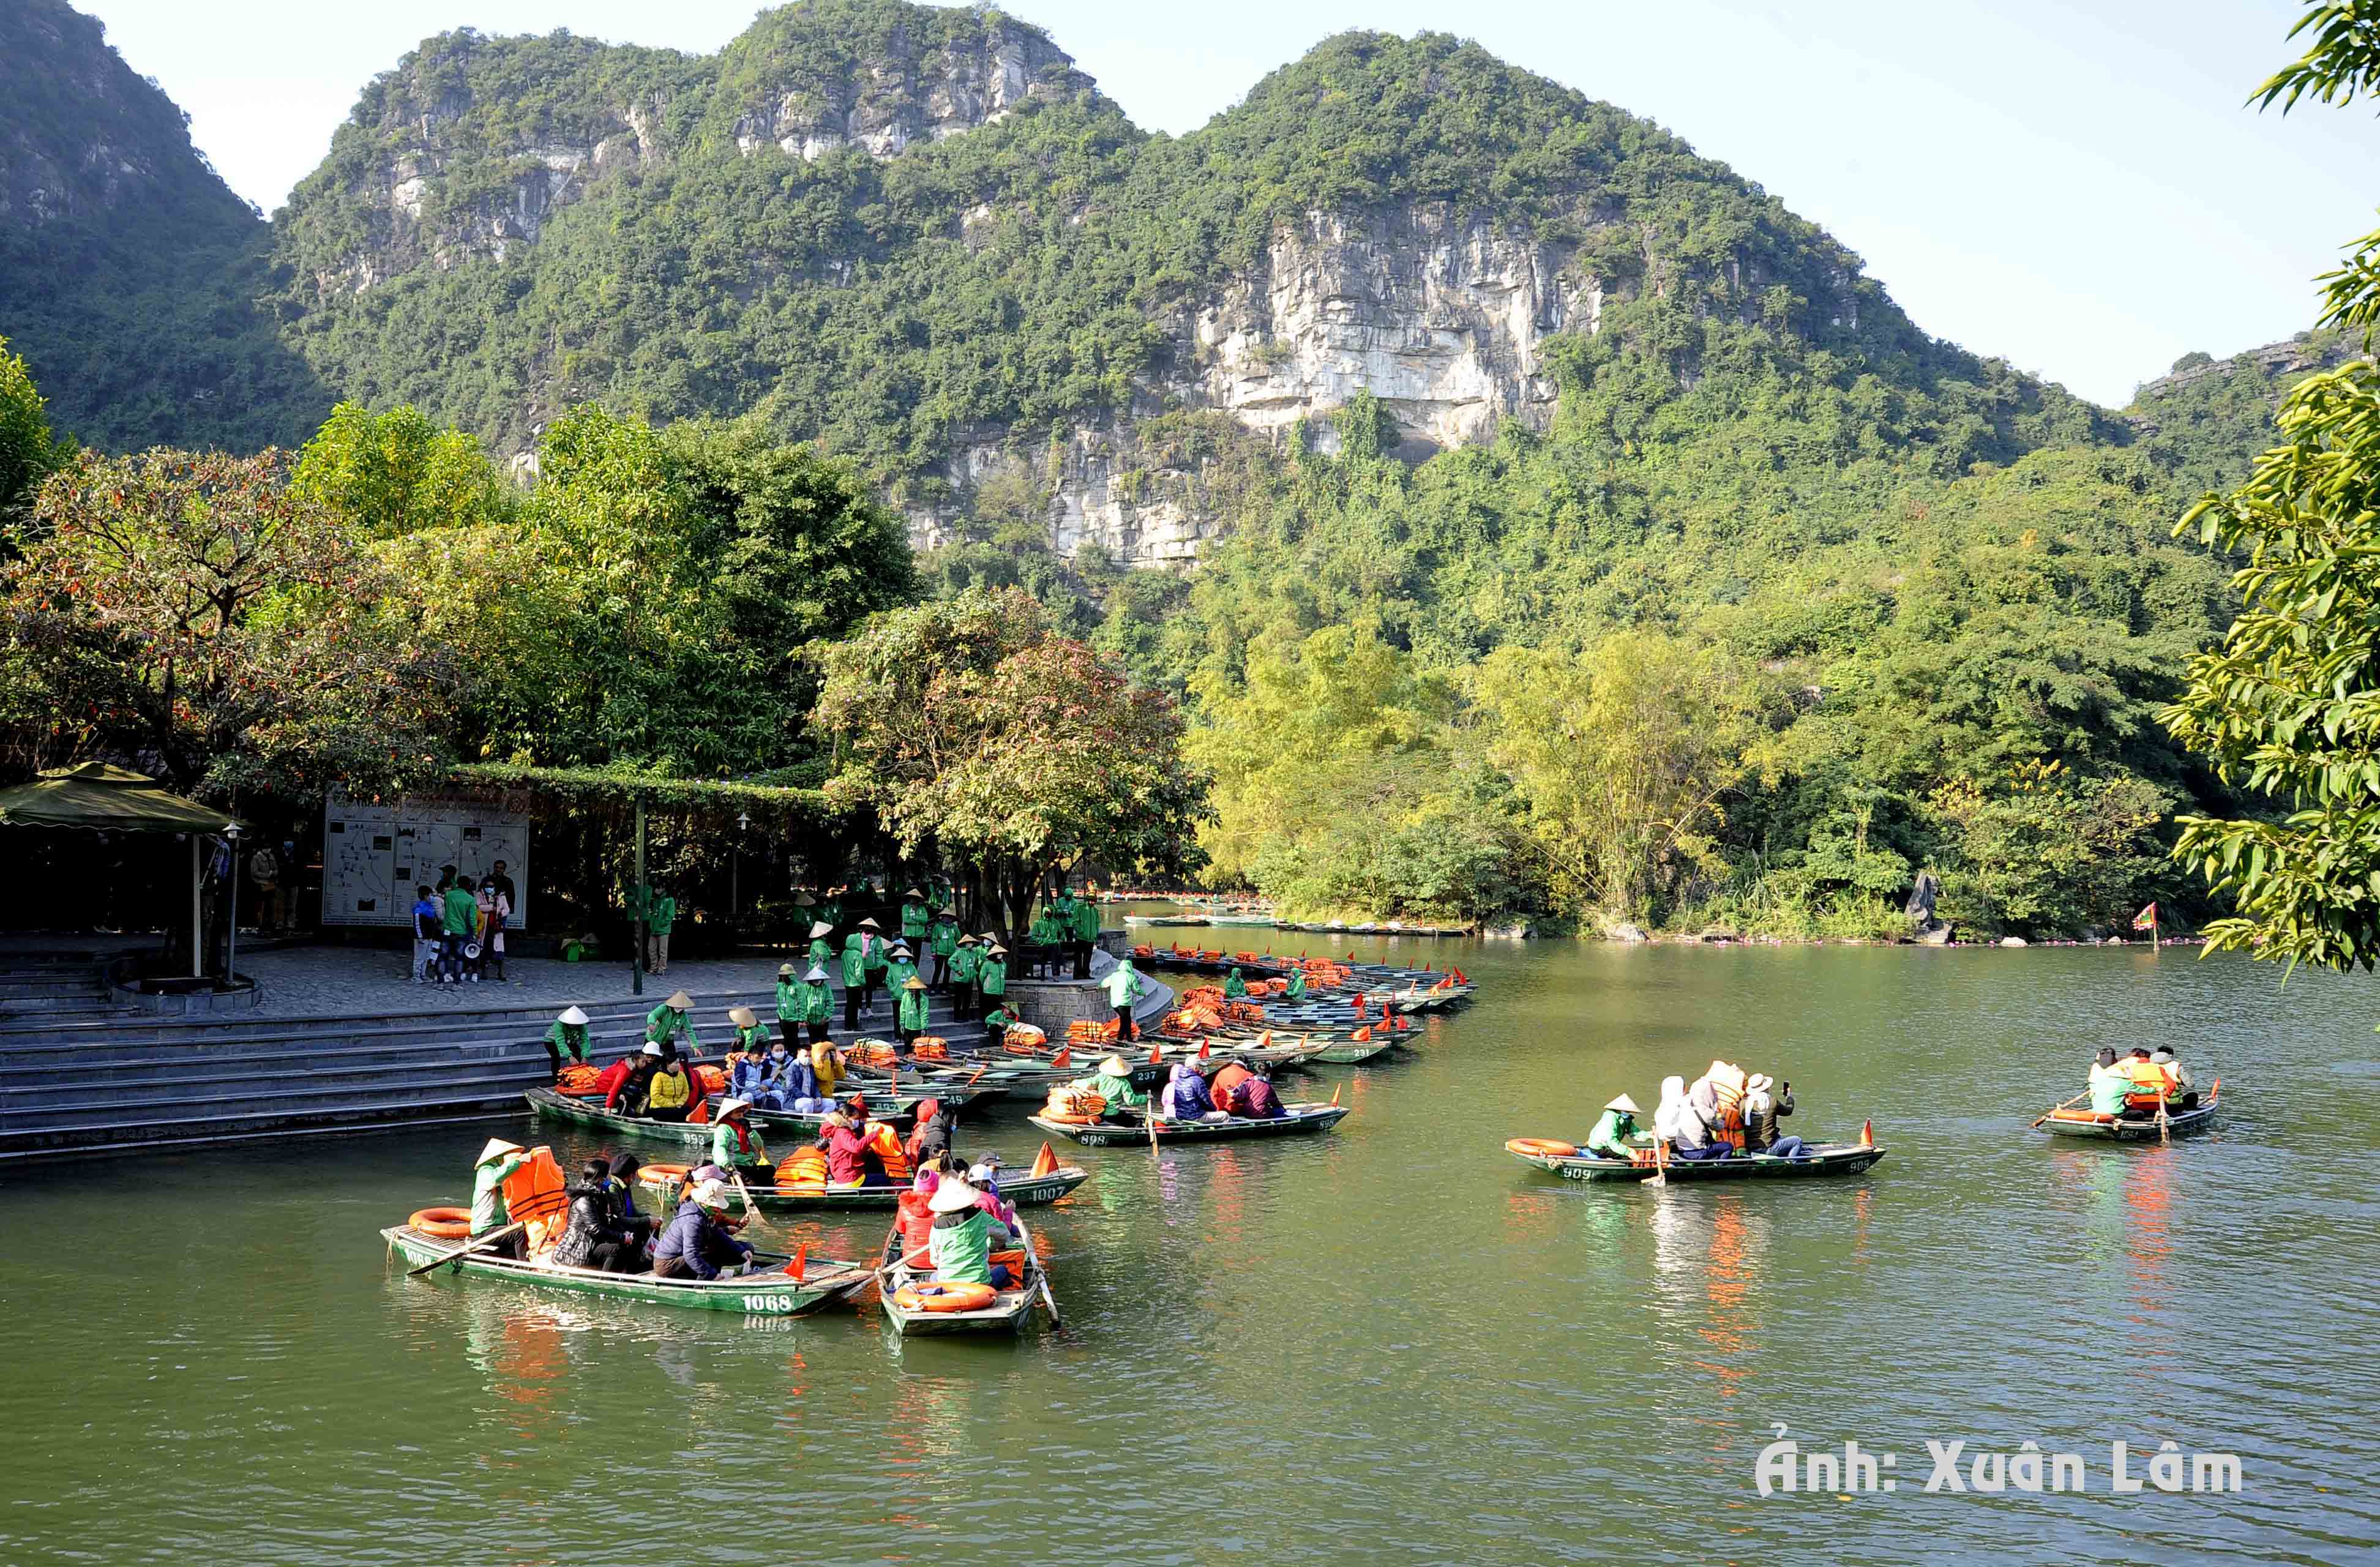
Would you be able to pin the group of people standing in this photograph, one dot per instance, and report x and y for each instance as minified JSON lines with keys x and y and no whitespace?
{"x":458,"y":926}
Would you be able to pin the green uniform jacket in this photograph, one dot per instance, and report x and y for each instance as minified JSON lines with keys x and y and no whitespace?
{"x":1612,"y":1131}
{"x":993,"y":976}
{"x":789,"y":1001}
{"x":489,"y":1210}
{"x":998,"y":1018}
{"x":916,"y":1005}
{"x":966,"y":962}
{"x":820,"y":953}
{"x":1122,"y":985}
{"x":663,"y":915}
{"x":962,"y":1251}
{"x":878,"y":955}
{"x":751,"y":1041}
{"x":1297,"y":988}
{"x":665,"y":1020}
{"x":461,"y":915}
{"x":831,"y":912}
{"x":1060,"y":914}
{"x":944,"y":937}
{"x":727,"y":1155}
{"x":915,"y":918}
{"x":1087,"y":921}
{"x":1045,"y":930}
{"x":899,"y":974}
{"x":855,"y":966}
{"x":1115,"y":1090}
{"x":818,"y":1002}
{"x":570,"y":1039}
{"x":1235,"y":986}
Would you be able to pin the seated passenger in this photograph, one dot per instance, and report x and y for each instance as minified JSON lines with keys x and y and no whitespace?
{"x":669,"y":1094}
{"x":936,"y":1127}
{"x":2180,"y":1092}
{"x":1186,"y":1097}
{"x":2144,"y":1085}
{"x":627,"y":1094}
{"x":1228,"y":1087}
{"x":1263,"y":1103}
{"x":1234,"y":988}
{"x":2108,"y":1085}
{"x":1610,"y":1138}
{"x":598,"y":1234}
{"x":693,"y":1244}
{"x":608,"y":1081}
{"x":1764,"y":1102}
{"x":1678,"y":1124}
{"x":624,"y":1191}
{"x":964,"y":1236}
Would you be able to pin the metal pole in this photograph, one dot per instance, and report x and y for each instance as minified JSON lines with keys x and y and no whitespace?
{"x":231,"y":930}
{"x":198,"y":917}
{"x":644,"y":903}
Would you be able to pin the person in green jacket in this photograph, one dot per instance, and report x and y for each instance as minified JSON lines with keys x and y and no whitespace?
{"x":459,"y":919}
{"x":1061,"y":931}
{"x":829,"y":909}
{"x":915,"y":1010}
{"x":1234,"y":986}
{"x":862,"y":960}
{"x":1122,"y":986}
{"x":915,"y":916}
{"x":995,"y":1027}
{"x":899,"y":970}
{"x":1296,"y":991}
{"x":943,"y":939}
{"x":489,"y":1210}
{"x":817,"y":1002}
{"x":669,"y":1021}
{"x":1610,"y":1139}
{"x":1045,"y":942}
{"x":966,"y":959}
{"x":659,"y":919}
{"x":565,"y":1042}
{"x":991,"y":975}
{"x":820,"y":954}
{"x":789,"y":1001}
{"x":1086,"y":934}
{"x":752,"y":1035}
{"x":1112,"y":1082}
{"x":735,"y":1145}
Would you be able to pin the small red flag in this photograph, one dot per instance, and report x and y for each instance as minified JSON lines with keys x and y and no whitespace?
{"x":1063,"y":1058}
{"x":1156,"y":1054}
{"x":1045,"y":1162}
{"x":1362,"y":1035}
{"x":1206,"y":1047}
{"x":1334,"y":1094}
{"x":800,"y":1264}
{"x":1868,"y":1132}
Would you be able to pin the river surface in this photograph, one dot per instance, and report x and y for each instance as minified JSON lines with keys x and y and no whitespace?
{"x":1391,"y":1344}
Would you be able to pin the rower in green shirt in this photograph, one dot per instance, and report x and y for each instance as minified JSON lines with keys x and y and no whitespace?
{"x":1296,"y":991}
{"x":1233,"y":986}
{"x":1112,"y":1082}
{"x":490,"y":1212}
{"x":1610,"y":1138}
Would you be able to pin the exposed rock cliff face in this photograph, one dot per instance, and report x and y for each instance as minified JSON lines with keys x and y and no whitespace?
{"x":912,"y":92}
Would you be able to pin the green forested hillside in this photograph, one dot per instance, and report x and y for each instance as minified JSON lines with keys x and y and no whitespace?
{"x":130,"y":273}
{"x":1785,"y":602}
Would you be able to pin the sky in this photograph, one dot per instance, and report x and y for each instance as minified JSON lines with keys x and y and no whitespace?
{"x":2074,"y":186}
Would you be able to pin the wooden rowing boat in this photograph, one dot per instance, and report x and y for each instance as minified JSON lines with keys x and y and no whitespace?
{"x":1028,"y":1191}
{"x":2108,"y":1129}
{"x":1010,"y":1312}
{"x":1301,"y":1120}
{"x":1825,"y":1158}
{"x":695,"y":1134}
{"x":768,"y":1292}
{"x":1354,"y":1052}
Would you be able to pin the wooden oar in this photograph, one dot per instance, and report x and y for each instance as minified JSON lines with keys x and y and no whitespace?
{"x":2165,"y":1127}
{"x":1040,"y":1272}
{"x":1660,"y":1162}
{"x":483,"y":1243}
{"x":2055,"y":1108}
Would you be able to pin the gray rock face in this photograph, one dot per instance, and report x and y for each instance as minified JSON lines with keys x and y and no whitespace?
{"x":910,"y":95}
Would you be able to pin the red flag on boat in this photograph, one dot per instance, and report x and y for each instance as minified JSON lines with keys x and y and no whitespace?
{"x":1335,"y":1095}
{"x":1063,"y":1058}
{"x":1045,"y":1162}
{"x":800,"y":1264}
{"x":1868,"y":1132}
{"x":1461,"y":977}
{"x":2146,"y":920}
{"x":1397,"y":1024}
{"x":1362,"y":1035}
{"x":1360,"y":1000}
{"x":1264,"y":1040}
{"x":1206,"y":1047}
{"x":1351,"y":954}
{"x":1155,"y":1053}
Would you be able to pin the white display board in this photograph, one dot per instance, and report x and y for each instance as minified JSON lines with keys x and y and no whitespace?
{"x":376,"y":852}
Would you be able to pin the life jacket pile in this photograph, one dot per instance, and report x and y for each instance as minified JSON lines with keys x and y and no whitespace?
{"x":803,"y":1172}
{"x":1076,"y":1106}
{"x":930,"y":1047}
{"x":884,"y":1144}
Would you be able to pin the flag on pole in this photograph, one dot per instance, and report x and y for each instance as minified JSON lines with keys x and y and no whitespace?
{"x":2146,"y":920}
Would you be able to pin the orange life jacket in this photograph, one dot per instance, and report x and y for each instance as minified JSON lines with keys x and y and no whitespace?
{"x":802,"y":1171}
{"x":536,"y":1193}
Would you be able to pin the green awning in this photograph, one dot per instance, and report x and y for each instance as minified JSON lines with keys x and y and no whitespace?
{"x":105,"y":798}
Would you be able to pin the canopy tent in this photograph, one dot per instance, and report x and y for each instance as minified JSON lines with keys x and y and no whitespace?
{"x":101,"y":798}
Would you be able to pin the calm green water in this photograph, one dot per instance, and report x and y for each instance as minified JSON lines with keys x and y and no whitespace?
{"x":1395,"y":1344}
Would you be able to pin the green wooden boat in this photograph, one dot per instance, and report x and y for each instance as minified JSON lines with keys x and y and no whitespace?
{"x":1302,"y":1120}
{"x":1029,"y":1191}
{"x":768,"y":1292}
{"x":1010,"y":1311}
{"x":1354,"y":1052}
{"x":1825,"y":1158}
{"x":2177,"y":1123}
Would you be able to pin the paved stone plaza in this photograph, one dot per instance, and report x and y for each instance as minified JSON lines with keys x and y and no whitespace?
{"x":359,"y":981}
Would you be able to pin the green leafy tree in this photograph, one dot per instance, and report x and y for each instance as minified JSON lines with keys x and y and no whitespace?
{"x":2288,"y":705}
{"x":967,"y":726}
{"x":2039,"y":850}
{"x":186,"y":611}
{"x":27,"y":451}
{"x":397,"y":472}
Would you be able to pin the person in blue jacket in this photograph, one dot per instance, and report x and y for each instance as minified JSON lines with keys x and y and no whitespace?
{"x":693,"y":1244}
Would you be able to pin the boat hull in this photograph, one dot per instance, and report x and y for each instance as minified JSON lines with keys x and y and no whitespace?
{"x":1009,"y":1314}
{"x":2188,"y":1123}
{"x":1825,"y":1159}
{"x":1031,"y":1191}
{"x":767,"y":1294}
{"x":1301,"y":1121}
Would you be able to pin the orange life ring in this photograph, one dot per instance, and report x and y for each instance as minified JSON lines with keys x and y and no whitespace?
{"x":1548,"y":1147}
{"x":444,"y":1223}
{"x":664,"y":1174}
{"x":944,"y":1297}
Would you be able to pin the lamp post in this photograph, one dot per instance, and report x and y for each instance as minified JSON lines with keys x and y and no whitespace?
{"x":735,"y":865}
{"x":231,"y":930}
